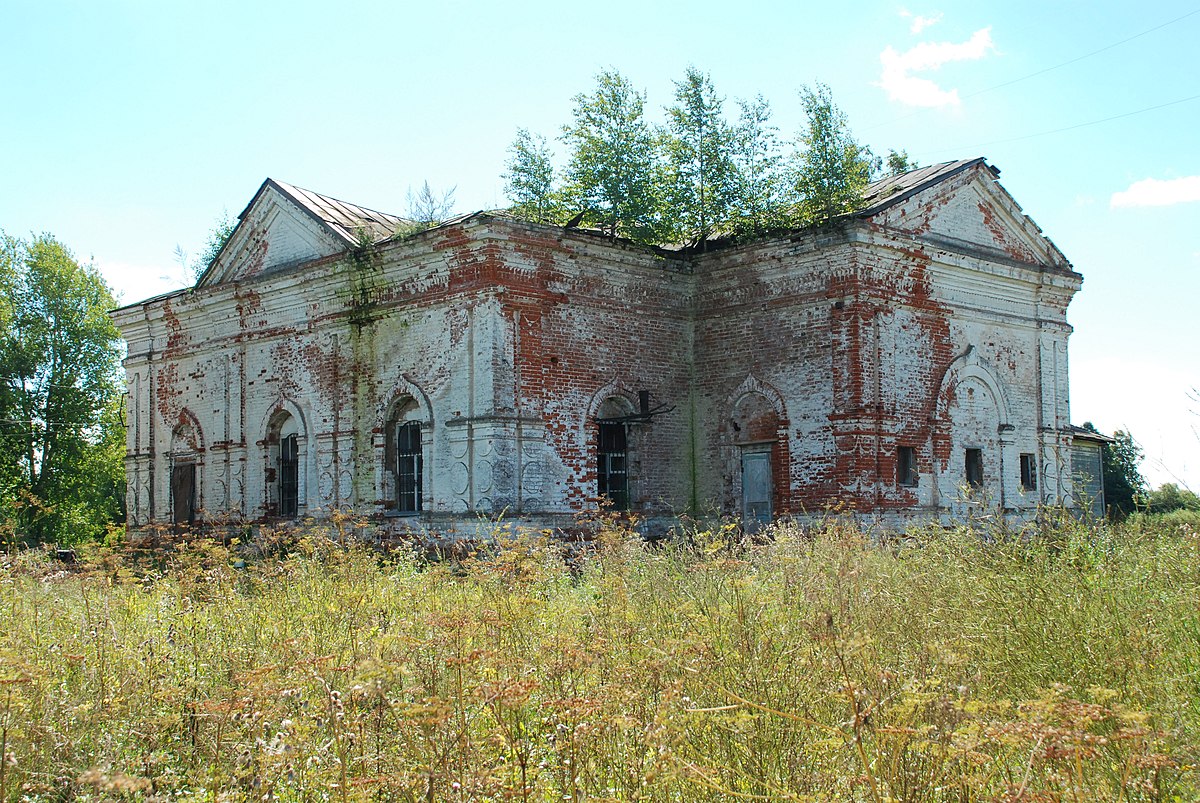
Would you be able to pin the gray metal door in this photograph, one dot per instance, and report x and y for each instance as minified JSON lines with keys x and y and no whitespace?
{"x":756,"y":487}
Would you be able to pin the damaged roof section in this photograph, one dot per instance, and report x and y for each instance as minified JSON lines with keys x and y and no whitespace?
{"x":284,"y":225}
{"x":893,"y":189}
{"x":349,"y":221}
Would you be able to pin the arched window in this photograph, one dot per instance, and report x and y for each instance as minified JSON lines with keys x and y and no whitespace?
{"x":289,"y":476}
{"x":186,"y":460}
{"x":285,"y":459}
{"x":613,"y":458}
{"x":404,"y":457}
{"x":408,"y":467}
{"x":612,"y":464}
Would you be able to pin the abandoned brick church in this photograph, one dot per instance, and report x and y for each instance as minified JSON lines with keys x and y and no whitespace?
{"x":909,"y":360}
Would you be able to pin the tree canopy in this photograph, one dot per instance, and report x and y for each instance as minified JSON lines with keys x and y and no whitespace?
{"x":701,"y":182}
{"x":1124,"y":487}
{"x":529,"y":179}
{"x":763,"y":201}
{"x":610,"y":177}
{"x":698,"y":175}
{"x":832,"y":168}
{"x":1169,"y":497}
{"x":61,"y":437}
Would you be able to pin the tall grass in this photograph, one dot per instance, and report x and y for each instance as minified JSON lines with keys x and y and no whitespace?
{"x":1063,"y":665}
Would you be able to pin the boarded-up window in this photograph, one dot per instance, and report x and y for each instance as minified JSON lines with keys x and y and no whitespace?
{"x":183,"y":494}
{"x":408,"y":467}
{"x":974,"y":468}
{"x":289,"y":476}
{"x":612,"y":469}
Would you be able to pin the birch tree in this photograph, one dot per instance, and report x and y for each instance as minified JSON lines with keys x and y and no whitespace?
{"x":610,"y":175}
{"x":61,"y":440}
{"x":701,"y":180}
{"x":832,"y":169}
{"x":529,"y":178}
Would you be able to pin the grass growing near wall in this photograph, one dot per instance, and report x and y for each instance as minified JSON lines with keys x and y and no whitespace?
{"x":941,"y":666}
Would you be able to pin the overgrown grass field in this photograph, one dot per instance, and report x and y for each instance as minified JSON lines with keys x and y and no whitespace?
{"x":825,"y":665}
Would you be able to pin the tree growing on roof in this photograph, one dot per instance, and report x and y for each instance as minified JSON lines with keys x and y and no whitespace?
{"x":217,"y":236}
{"x":696,"y":175}
{"x":61,"y":438}
{"x":832,"y":169}
{"x":529,"y":178}
{"x":761,"y":203}
{"x":700,"y":178}
{"x":426,"y":208}
{"x":900,"y":162}
{"x":611,"y":172}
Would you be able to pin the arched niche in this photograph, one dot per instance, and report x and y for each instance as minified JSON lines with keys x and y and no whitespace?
{"x":971,"y":425}
{"x":186,"y":466}
{"x":757,"y":455}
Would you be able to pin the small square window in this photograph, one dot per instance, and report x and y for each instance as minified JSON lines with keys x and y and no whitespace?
{"x":1028,"y":473}
{"x":974,"y":466}
{"x":906,"y":466}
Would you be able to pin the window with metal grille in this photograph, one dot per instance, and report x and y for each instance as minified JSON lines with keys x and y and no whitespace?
{"x":1028,"y":473}
{"x":906,"y":466}
{"x":974,"y":461}
{"x":408,"y":467}
{"x":289,"y":476}
{"x":612,"y":469}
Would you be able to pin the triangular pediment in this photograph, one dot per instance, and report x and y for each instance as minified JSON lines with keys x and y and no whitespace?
{"x":970,"y":208}
{"x":285,"y":226}
{"x":273,"y":234}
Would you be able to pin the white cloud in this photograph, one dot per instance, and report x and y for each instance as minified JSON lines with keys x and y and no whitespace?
{"x":920,"y":23}
{"x":904,"y":87}
{"x":1153,"y":192}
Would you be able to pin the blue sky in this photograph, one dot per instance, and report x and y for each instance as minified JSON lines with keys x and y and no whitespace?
{"x":128,"y":127}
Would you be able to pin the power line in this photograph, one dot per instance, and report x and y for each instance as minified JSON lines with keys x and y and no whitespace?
{"x":1044,"y":70}
{"x":966,"y":148}
{"x":1084,"y":56}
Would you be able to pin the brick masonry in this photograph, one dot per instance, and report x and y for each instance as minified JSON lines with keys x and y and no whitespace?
{"x":937,"y":322}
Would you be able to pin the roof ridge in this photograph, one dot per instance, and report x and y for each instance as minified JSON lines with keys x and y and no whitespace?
{"x":286,"y":185}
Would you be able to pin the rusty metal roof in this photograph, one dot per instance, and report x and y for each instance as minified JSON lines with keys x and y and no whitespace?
{"x":349,"y":221}
{"x":893,"y":189}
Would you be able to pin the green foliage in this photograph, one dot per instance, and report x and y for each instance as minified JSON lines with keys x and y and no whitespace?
{"x":612,"y":171}
{"x":217,"y":238}
{"x":1124,"y":487}
{"x":900,"y":162}
{"x":1170,"y":497}
{"x":701,"y":179}
{"x":822,"y":666}
{"x":832,"y":169}
{"x":529,"y":178}
{"x":427,"y":208}
{"x":698,"y":176}
{"x":762,"y":202}
{"x":61,"y":437}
